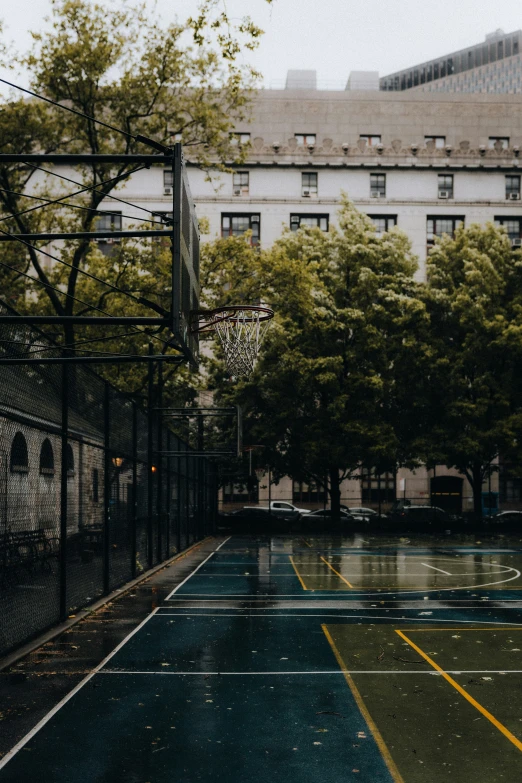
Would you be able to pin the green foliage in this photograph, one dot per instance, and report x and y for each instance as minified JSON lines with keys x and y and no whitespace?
{"x":114,"y":63}
{"x":470,"y":381}
{"x":325,"y":396}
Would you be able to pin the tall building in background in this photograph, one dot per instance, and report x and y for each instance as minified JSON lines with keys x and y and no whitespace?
{"x":492,"y":66}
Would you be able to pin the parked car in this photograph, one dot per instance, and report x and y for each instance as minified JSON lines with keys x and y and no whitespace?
{"x":324,"y":519}
{"x":362,"y":514}
{"x":260,"y":519}
{"x":511,"y":520}
{"x":283,"y":505}
{"x":421,"y":519}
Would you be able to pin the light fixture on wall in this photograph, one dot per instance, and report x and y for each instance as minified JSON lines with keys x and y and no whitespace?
{"x":117,"y":462}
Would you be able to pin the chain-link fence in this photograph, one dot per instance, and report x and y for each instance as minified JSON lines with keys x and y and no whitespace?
{"x":89,"y":495}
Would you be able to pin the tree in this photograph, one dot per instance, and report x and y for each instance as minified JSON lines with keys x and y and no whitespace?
{"x":470,"y":385}
{"x":325,"y":398}
{"x":114,"y":65}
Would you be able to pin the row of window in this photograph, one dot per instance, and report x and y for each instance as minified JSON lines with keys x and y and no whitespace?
{"x":19,"y":457}
{"x":373,"y":489}
{"x":483,"y":54}
{"x":235,"y":225}
{"x":371,"y":139}
{"x":310,"y":185}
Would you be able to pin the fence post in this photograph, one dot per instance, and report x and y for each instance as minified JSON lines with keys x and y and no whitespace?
{"x":178,"y":495}
{"x":63,"y":495}
{"x":168,"y":494}
{"x":150,"y":473}
{"x":134,"y":518}
{"x":159,"y":465}
{"x":200,"y":524}
{"x":106,"y":487}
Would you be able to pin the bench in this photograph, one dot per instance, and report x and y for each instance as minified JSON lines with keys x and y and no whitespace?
{"x":25,"y":550}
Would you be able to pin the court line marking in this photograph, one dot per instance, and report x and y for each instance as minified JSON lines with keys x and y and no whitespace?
{"x":197,"y":569}
{"x":441,"y":570}
{"x":393,"y":620}
{"x":420,"y":630}
{"x":297,"y":573}
{"x":311,"y":673}
{"x":385,"y":753}
{"x":275,"y":574}
{"x":387,"y":592}
{"x":483,"y":711}
{"x":19,"y":745}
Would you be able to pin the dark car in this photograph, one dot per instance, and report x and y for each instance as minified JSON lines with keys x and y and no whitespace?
{"x":421,"y":519}
{"x":507,"y":520}
{"x":324,"y":519}
{"x":261,"y":519}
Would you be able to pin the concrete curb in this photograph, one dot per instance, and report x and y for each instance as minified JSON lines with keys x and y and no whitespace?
{"x":56,"y":630}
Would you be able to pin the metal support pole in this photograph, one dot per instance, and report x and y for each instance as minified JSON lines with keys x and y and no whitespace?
{"x":379,"y":491}
{"x":178,"y":503}
{"x":134,"y":517}
{"x":63,"y":497}
{"x":200,"y":525}
{"x":159,"y":466}
{"x":269,"y":490}
{"x":168,"y":494}
{"x":150,"y":464}
{"x":106,"y":488}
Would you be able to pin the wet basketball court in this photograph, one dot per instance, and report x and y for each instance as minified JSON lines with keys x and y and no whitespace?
{"x":306,"y":660}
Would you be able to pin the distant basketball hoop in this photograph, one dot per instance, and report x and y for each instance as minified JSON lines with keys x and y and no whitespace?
{"x":240,"y":329}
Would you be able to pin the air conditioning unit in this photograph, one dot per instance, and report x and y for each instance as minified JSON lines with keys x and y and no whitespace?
{"x":306,"y":193}
{"x":516,"y":243}
{"x":377,"y":194}
{"x":444,"y":194}
{"x":513,"y":196}
{"x":237,"y":191}
{"x":167,"y":191}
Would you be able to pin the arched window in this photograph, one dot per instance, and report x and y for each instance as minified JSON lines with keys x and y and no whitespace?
{"x":46,"y":459}
{"x":70,"y":460}
{"x":19,"y":460}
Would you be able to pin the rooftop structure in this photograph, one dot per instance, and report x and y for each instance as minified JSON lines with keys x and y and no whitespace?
{"x":491,"y":66}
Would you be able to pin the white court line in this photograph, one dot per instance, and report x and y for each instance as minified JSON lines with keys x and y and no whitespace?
{"x":197,"y":569}
{"x":337,"y":671}
{"x":446,"y":572}
{"x":353,"y":594}
{"x":75,"y":690}
{"x":391,"y":619}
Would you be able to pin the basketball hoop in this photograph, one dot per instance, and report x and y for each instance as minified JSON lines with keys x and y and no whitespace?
{"x":260,"y":472}
{"x":240,"y":329}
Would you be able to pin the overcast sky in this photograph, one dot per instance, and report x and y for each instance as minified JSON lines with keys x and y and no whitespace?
{"x":333,"y":37}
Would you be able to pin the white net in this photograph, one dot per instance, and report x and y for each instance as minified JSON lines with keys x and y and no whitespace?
{"x":241,"y":332}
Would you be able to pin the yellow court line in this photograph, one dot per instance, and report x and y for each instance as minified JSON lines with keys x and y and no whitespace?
{"x":392,"y":767}
{"x":498,"y":628}
{"x":511,"y":737}
{"x":297,"y":573}
{"x":336,"y":572}
{"x":306,"y":542}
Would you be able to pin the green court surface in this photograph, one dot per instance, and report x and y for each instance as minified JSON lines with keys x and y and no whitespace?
{"x":306,"y":660}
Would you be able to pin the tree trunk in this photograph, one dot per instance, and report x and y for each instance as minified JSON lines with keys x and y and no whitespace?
{"x":335,"y":493}
{"x":476,"y":472}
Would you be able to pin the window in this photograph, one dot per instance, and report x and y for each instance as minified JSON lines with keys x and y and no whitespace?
{"x":371,"y":140}
{"x":445,"y":185}
{"x":308,"y":493}
{"x":240,"y":183}
{"x":246,"y":492}
{"x":303,"y":139}
{"x":503,"y":140}
{"x":108,"y":221}
{"x":313,"y":221}
{"x":168,"y":178}
{"x":383,"y":223}
{"x":95,"y":485}
{"x":239,"y":224}
{"x":375,"y":488}
{"x":239,"y":138}
{"x":46,"y":459}
{"x":70,"y":460}
{"x":513,"y":227}
{"x":19,"y":460}
{"x":377,"y":185}
{"x":513,"y":186}
{"x":439,"y":141}
{"x":437,"y":226}
{"x":308,"y":184}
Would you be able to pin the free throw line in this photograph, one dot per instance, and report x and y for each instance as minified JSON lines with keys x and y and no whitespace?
{"x":439,"y":569}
